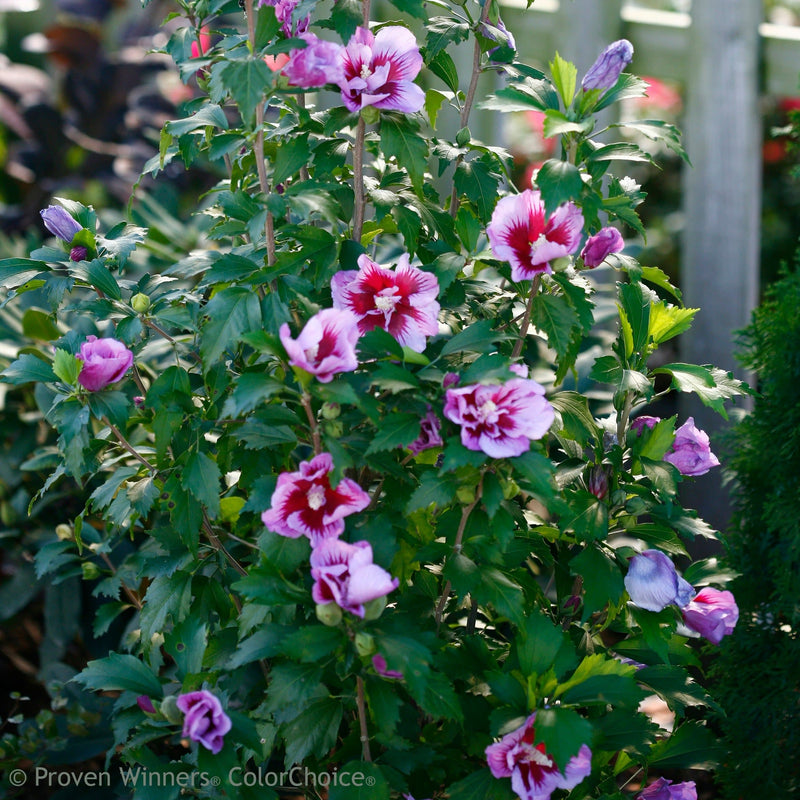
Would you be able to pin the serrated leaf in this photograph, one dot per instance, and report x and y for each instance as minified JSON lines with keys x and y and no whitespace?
{"x":563,"y":732}
{"x":120,"y":672}
{"x":667,"y":321}
{"x":691,"y":746}
{"x":478,"y":182}
{"x":712,"y":385}
{"x":556,"y":318}
{"x":201,"y":476}
{"x":66,"y":366}
{"x":559,"y":181}
{"x":246,"y":80}
{"x":397,"y":430}
{"x":231,"y":313}
{"x":565,"y":76}
{"x":314,"y":730}
{"x":28,"y":369}
{"x":602,"y":579}
{"x":400,"y":139}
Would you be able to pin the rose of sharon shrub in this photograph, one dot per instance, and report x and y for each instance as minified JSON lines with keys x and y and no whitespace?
{"x":105,"y":361}
{"x":534,"y":774}
{"x":204,"y":721}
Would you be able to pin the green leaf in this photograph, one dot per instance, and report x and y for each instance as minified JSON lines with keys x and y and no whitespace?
{"x":345,"y":17}
{"x":563,"y":731}
{"x":201,"y":477}
{"x":557,"y":319}
{"x":230,"y":314}
{"x":538,"y":643}
{"x":291,"y":155}
{"x":557,"y":123}
{"x":247,"y":80}
{"x":565,"y":75}
{"x":66,"y":366}
{"x":293,"y":685}
{"x":28,"y":369}
{"x":675,"y":686}
{"x":313,"y":731}
{"x":478,"y":182}
{"x":16,"y":272}
{"x":400,"y":139}
{"x":712,"y":385}
{"x":667,"y":321}
{"x":359,"y":780}
{"x":98,"y":275}
{"x":443,"y":66}
{"x":502,"y":592}
{"x":481,"y":785}
{"x":476,"y":338}
{"x":442,"y":32}
{"x":691,"y":746}
{"x":312,"y":643}
{"x":39,"y":325}
{"x":120,"y":672}
{"x":251,"y":389}
{"x":209,"y":115}
{"x":433,"y":489}
{"x":637,"y":312}
{"x":559,"y":182}
{"x":602,"y":579}
{"x":532,"y":93}
{"x":397,"y":430}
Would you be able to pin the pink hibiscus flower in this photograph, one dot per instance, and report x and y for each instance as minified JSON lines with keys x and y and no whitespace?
{"x":326,"y":346}
{"x":521,"y":234}
{"x":534,"y":774}
{"x":305,"y":504}
{"x":501,"y":420}
{"x":379,"y":70}
{"x":344,"y":574}
{"x":402,"y":302}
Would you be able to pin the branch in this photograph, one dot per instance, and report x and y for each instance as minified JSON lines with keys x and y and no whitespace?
{"x":526,"y":319}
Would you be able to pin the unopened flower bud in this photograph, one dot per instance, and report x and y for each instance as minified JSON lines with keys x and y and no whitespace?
{"x":329,"y":614}
{"x":64,"y":532}
{"x":90,"y":571}
{"x":78,"y":253}
{"x":140,"y":303}
{"x":333,"y":428}
{"x":169,"y":708}
{"x":604,"y":73}
{"x":330,"y":410}
{"x":465,"y":494}
{"x":598,"y":481}
{"x":146,"y":704}
{"x":510,"y":489}
{"x":463,"y":137}
{"x":365,"y":644}
{"x":374,"y":608}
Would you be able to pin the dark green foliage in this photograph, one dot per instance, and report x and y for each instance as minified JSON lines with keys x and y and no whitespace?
{"x":758,"y":674}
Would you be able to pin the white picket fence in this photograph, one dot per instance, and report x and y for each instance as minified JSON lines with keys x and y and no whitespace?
{"x":727,"y":59}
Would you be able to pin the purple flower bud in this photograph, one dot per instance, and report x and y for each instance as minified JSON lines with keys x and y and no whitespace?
{"x":653,"y":583}
{"x":640,"y":423}
{"x":598,"y":247}
{"x":204,"y":721}
{"x":105,"y":361}
{"x":691,"y":450}
{"x":598,"y":481}
{"x":603,"y":74}
{"x":498,"y":33}
{"x":78,"y":253}
{"x":146,"y":704}
{"x":60,"y":223}
{"x":138,"y":401}
{"x":450,"y":379}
